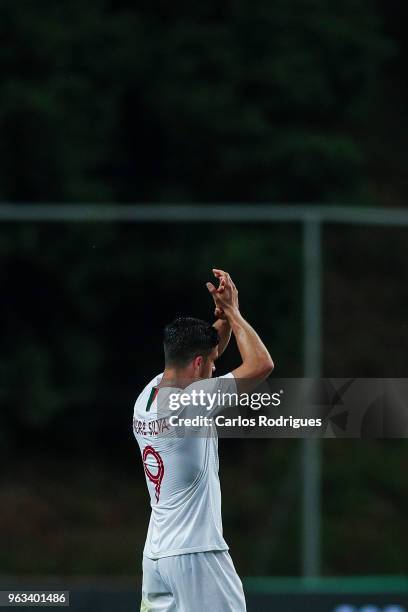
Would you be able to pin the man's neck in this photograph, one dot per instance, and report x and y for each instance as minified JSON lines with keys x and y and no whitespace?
{"x":175,"y":377}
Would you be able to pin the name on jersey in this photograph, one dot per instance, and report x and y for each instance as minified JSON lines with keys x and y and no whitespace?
{"x":150,"y":428}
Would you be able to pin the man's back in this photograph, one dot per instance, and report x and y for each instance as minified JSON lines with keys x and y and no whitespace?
{"x":181,"y":469}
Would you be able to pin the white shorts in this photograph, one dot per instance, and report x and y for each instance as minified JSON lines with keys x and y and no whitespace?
{"x":195,"y":582}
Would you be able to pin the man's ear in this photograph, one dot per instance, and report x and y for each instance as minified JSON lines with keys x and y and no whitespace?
{"x":198,"y":362}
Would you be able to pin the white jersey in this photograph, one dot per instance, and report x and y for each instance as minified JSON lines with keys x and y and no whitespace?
{"x":181,"y":470}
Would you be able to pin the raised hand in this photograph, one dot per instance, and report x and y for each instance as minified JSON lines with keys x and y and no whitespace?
{"x":225,"y":296}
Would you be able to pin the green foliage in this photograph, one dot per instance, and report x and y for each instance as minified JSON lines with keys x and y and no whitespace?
{"x":199,"y":101}
{"x":106,"y":101}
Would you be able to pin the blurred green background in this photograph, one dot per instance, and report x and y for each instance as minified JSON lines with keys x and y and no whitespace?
{"x":301,"y":101}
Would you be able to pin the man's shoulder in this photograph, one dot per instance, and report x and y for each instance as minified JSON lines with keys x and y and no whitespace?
{"x":215,"y":381}
{"x":148,"y":389}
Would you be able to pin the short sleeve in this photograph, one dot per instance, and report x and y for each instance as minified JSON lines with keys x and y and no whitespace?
{"x":210,"y":396}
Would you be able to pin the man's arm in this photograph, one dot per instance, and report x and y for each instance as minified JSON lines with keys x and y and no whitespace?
{"x":224,"y":331}
{"x":257,"y":363}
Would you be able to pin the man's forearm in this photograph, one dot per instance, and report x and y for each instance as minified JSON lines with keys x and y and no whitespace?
{"x":224,"y":331}
{"x":256,"y":364}
{"x":255,"y":356}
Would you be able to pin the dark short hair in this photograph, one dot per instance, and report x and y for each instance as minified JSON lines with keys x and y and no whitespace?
{"x":185,"y":338}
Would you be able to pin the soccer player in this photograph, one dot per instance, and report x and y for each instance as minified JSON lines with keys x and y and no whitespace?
{"x":186,"y":563}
